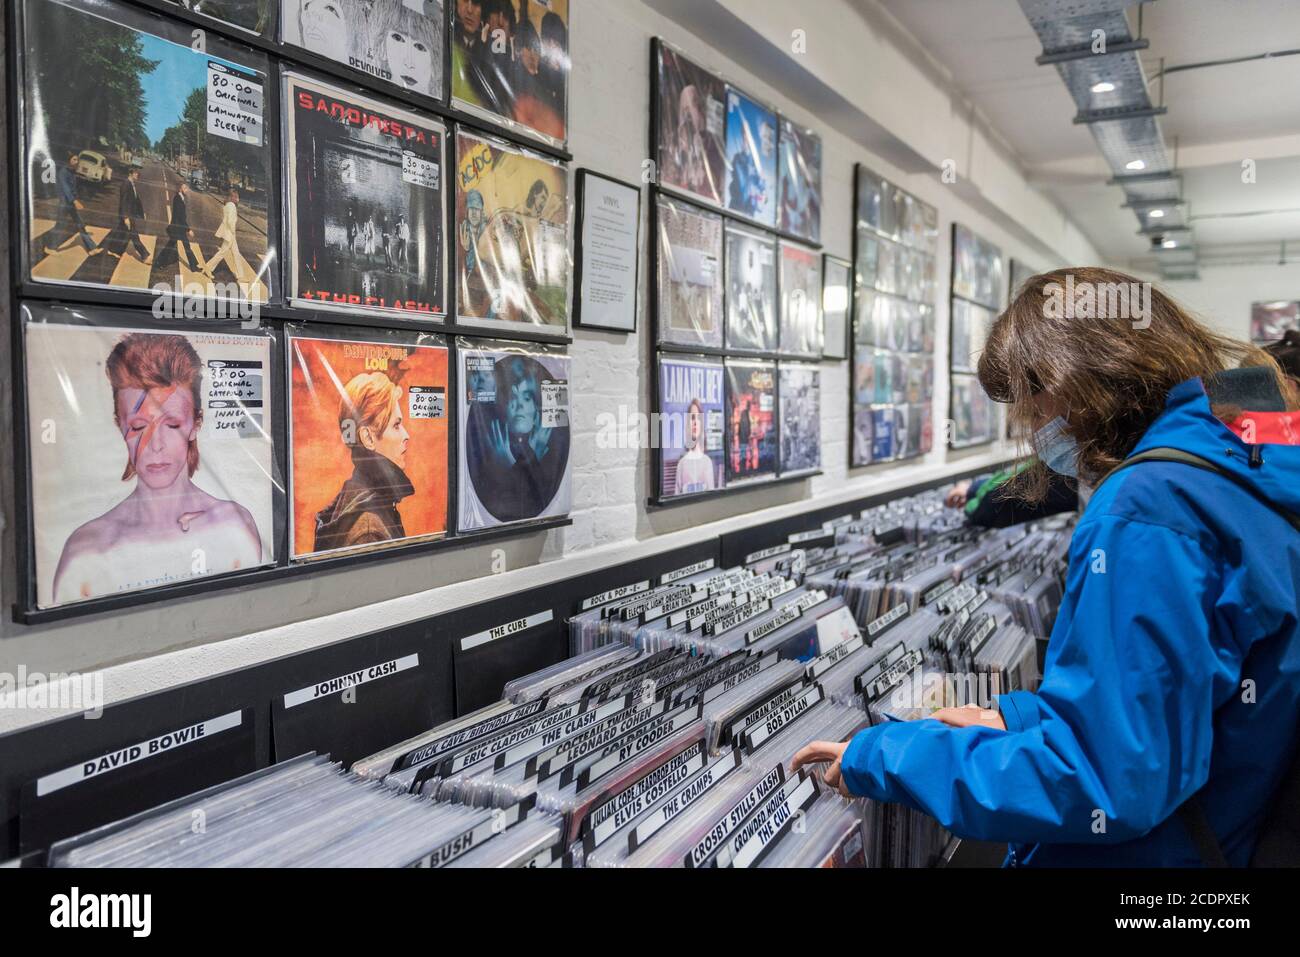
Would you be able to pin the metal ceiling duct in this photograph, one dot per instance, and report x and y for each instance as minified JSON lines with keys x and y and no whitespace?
{"x":1110,"y":90}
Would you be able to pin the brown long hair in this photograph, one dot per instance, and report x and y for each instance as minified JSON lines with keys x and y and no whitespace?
{"x":1110,"y":367}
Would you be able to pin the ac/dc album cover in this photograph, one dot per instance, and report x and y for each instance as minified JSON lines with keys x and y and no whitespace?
{"x":151,"y":454}
{"x":751,"y":290}
{"x":692,"y":127}
{"x":751,"y":420}
{"x":510,"y":64}
{"x":397,"y":41}
{"x":690,"y":274}
{"x":251,"y":16}
{"x":367,"y":442}
{"x":365,"y":202}
{"x":799,"y":398}
{"x":514,"y":435}
{"x":512,"y":235}
{"x":800,"y":179}
{"x":801,"y":332}
{"x":692,"y":428}
{"x":751,"y":183}
{"x":147,"y":162}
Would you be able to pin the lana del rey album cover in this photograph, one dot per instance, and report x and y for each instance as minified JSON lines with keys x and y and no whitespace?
{"x":365,"y":203}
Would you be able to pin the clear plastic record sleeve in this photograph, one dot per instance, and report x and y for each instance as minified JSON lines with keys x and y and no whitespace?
{"x":151,"y":451}
{"x":751,"y":161}
{"x":692,"y":424}
{"x":396,"y":41}
{"x":258,"y":17}
{"x":365,"y":205}
{"x":368,"y":433}
{"x":147,"y":162}
{"x":799,"y":400}
{"x":689,"y":261}
{"x":800,"y":178}
{"x":751,"y":278}
{"x":513,"y":253}
{"x":514,"y":434}
{"x":510,"y":65}
{"x":692,"y":126}
{"x":801,"y":332}
{"x":751,"y":421}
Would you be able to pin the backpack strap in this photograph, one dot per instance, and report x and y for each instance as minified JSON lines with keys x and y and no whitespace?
{"x":1187,"y":458}
{"x":1191,"y":812}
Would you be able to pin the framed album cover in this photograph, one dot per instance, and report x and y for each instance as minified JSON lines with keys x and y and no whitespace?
{"x":692,"y":424}
{"x":510,"y":65}
{"x":150,"y":451}
{"x":366,"y":204}
{"x":751,"y":290}
{"x":799,"y":392}
{"x":513,"y":265}
{"x":607,"y":260}
{"x":514,"y":434}
{"x":751,"y":181}
{"x":800,"y":319}
{"x":800,"y":179}
{"x":146,"y":162}
{"x":251,"y":16}
{"x":368,"y":440}
{"x":397,"y":41}
{"x":752,"y":452}
{"x":690,"y":294}
{"x":691,"y":126}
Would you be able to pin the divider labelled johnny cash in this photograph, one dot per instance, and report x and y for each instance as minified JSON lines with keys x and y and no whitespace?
{"x":514,"y":434}
{"x":147,"y":163}
{"x":150,"y":452}
{"x":368,"y":421}
{"x":366,"y":203}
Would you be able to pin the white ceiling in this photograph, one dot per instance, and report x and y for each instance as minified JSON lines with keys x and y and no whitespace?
{"x":1218,"y":116}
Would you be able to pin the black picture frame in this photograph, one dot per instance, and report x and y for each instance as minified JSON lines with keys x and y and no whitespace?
{"x":579,"y":251}
{"x":838,"y":348}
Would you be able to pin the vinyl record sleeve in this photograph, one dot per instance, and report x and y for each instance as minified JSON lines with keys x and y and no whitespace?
{"x":800,"y":178}
{"x":799,"y":400}
{"x":977,"y":268}
{"x":150,"y":451}
{"x":751,"y":421}
{"x":1270,"y":321}
{"x":368,"y":420}
{"x":863,"y":436}
{"x":692,"y":426}
{"x":366,"y":204}
{"x":692,"y":127}
{"x":751,"y":290}
{"x":971,"y":412}
{"x":396,"y":41}
{"x":751,"y":184}
{"x":513,"y":258}
{"x":147,"y":163}
{"x":876,"y":203}
{"x":251,"y":16}
{"x":514,"y":434}
{"x":970,"y":331}
{"x":801,"y":332}
{"x":690,"y":293}
{"x":510,"y":65}
{"x":882,"y":426}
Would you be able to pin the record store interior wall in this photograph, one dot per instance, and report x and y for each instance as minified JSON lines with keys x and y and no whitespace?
{"x":840,"y":67}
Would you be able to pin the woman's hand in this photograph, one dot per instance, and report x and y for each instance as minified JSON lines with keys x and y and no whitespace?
{"x":970,"y":716}
{"x":830,"y":754}
{"x":956,"y":497}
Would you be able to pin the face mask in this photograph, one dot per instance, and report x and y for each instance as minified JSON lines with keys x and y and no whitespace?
{"x":1057,"y":449}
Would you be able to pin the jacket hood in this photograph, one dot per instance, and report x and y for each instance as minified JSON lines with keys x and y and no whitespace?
{"x":1188,"y":423}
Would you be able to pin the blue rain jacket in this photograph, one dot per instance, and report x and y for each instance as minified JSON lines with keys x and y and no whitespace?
{"x":1173,"y":668}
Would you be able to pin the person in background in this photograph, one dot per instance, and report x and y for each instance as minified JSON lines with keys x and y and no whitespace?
{"x":990,"y":501}
{"x":1169,"y":712}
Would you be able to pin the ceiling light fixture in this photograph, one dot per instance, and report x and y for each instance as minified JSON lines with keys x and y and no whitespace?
{"x":1136,"y":164}
{"x":1103,"y":87}
{"x":1170,"y":244}
{"x":1157,"y":214}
